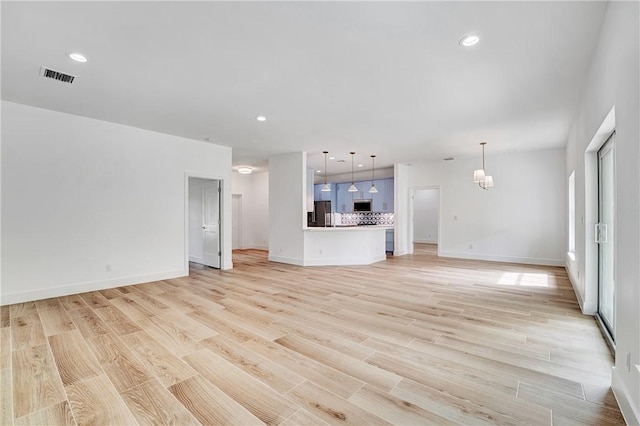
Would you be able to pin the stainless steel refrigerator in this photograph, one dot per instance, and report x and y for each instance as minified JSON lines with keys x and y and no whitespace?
{"x":321,"y":214}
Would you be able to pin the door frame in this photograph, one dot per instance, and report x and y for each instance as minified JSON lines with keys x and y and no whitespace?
{"x":589,"y":301}
{"x":239,"y":224}
{"x":609,"y":329}
{"x":412,"y":192}
{"x":225,"y":261}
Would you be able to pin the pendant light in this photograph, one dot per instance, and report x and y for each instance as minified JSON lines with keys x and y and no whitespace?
{"x":352,"y":188}
{"x":325,"y":187}
{"x":480,"y":177}
{"x":373,"y":189}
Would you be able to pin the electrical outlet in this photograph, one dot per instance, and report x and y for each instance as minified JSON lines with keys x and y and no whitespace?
{"x":471,"y":246}
{"x":320,"y":251}
{"x":107,"y":268}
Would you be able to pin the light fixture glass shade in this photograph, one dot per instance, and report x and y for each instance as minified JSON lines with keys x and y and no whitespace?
{"x":325,"y":188}
{"x":352,"y":188}
{"x":488,"y":181}
{"x":373,"y":190}
{"x":478,"y":175}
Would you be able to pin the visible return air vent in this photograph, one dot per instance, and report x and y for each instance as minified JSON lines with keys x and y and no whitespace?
{"x":56,"y":75}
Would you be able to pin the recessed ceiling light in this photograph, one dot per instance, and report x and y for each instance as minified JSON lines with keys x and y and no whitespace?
{"x":244,"y":170}
{"x":360,"y":165}
{"x":318,"y":171}
{"x":332,"y":158}
{"x":469,"y":40}
{"x":261,"y":118}
{"x":78,"y":57}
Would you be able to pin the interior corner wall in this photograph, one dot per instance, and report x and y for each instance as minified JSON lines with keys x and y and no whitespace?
{"x":88,"y":204}
{"x":254,"y":189}
{"x":287,"y":207}
{"x":612,"y":82}
{"x":521,"y":219}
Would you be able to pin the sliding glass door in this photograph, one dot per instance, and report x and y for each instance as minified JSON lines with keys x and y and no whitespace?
{"x":605,"y":234}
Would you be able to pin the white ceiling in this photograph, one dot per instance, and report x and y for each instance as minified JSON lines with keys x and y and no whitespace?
{"x":385,"y":78}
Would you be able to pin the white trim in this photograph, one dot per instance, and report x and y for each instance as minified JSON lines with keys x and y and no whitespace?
{"x":338,"y":261}
{"x":425,"y":241}
{"x":623,"y":397}
{"x":289,"y":260}
{"x":84,"y":287}
{"x":255,"y":247}
{"x":506,"y":259}
{"x":196,"y":259}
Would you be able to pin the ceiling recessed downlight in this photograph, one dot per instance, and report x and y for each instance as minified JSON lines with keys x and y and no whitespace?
{"x":261,"y":118}
{"x":78,"y":57}
{"x":469,"y":40}
{"x":245,"y":170}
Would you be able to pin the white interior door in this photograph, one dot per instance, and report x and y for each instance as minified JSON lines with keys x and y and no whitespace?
{"x":236,"y":219}
{"x":605,"y":235}
{"x":211,"y":224}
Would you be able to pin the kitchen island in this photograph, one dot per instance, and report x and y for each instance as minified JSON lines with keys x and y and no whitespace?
{"x":344,"y":245}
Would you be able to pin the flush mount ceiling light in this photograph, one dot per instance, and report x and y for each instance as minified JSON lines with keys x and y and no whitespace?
{"x":470,"y":40}
{"x":352,"y":188}
{"x":261,"y":118}
{"x":78,"y":57}
{"x":244,"y":170}
{"x":325,"y":187}
{"x":480,"y":177}
{"x":373,"y":189}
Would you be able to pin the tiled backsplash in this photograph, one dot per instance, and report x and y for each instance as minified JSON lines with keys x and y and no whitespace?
{"x":367,"y":218}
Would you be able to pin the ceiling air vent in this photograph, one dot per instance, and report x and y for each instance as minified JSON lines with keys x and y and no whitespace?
{"x":56,"y":75}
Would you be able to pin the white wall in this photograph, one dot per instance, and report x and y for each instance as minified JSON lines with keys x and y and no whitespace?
{"x":425,"y":215}
{"x":79,"y":194}
{"x":287,"y":207}
{"x":613,"y":82}
{"x":521,"y":219}
{"x":254,"y":189}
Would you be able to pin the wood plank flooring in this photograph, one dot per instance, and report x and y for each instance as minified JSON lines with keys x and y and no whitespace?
{"x":412,"y":340}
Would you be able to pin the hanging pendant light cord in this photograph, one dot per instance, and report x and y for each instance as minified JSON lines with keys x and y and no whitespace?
{"x":352,"y":154}
{"x":325,"y":166}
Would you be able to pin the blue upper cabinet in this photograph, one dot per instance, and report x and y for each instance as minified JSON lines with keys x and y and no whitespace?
{"x":342,"y":200}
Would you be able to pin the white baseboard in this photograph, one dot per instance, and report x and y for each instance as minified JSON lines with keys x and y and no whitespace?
{"x":289,"y":260}
{"x":506,"y":259}
{"x":344,"y":261}
{"x":425,"y":241}
{"x":48,"y":292}
{"x":630,"y":412}
{"x":196,"y":259}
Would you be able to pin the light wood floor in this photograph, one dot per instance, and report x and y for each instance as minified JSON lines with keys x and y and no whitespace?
{"x":412,"y":340}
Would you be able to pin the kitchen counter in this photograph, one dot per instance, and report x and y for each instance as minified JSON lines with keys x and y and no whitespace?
{"x":345,"y":245}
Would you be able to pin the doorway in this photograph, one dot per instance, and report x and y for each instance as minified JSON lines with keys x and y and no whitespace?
{"x":604,"y":235}
{"x":236,"y":221}
{"x":425,"y":218}
{"x":204,"y":222}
